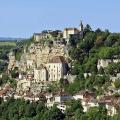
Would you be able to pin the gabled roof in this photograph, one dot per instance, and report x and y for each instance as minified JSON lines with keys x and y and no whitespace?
{"x":71,"y":29}
{"x":57,"y":59}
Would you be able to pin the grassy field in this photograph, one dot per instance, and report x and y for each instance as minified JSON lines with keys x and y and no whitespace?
{"x":6,"y":43}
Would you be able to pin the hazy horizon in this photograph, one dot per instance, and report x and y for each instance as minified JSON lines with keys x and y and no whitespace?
{"x":23,"y":18}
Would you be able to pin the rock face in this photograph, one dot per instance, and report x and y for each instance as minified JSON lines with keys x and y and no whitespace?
{"x":43,"y":62}
{"x":12,"y":61}
{"x":41,"y":54}
{"x":102,"y":63}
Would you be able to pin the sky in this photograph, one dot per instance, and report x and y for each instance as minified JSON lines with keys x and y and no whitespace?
{"x":22,"y":18}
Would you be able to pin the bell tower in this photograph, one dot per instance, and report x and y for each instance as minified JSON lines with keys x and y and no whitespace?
{"x":81,"y":27}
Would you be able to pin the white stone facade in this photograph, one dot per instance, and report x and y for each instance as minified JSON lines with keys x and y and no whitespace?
{"x":23,"y":84}
{"x":40,"y":75}
{"x":111,"y":110}
{"x":42,"y":36}
{"x":55,"y":71}
{"x":69,"y":31}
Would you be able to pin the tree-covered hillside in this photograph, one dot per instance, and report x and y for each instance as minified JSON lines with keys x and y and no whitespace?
{"x":85,"y":53}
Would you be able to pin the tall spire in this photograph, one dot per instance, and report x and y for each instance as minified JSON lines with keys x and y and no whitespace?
{"x":81,"y":26}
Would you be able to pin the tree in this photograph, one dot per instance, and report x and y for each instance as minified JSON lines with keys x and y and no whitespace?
{"x":117,"y":83}
{"x":88,"y":41}
{"x":98,"y":31}
{"x":72,"y":40}
{"x":97,"y":113}
{"x":14,"y":74}
{"x":73,"y":107}
{"x":30,"y":111}
{"x":79,"y":115}
{"x":101,"y":71}
{"x":63,"y":83}
{"x":99,"y":41}
{"x":111,"y":39}
{"x":40,"y":107}
{"x":53,"y":114}
{"x":87,"y":28}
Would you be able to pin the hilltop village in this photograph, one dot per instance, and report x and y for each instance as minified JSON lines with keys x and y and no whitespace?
{"x":55,"y":58}
{"x":45,"y":61}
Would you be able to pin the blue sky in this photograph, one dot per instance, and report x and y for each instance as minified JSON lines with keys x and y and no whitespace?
{"x":21,"y":18}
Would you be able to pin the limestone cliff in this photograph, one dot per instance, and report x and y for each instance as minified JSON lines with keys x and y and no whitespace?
{"x":40,"y":54}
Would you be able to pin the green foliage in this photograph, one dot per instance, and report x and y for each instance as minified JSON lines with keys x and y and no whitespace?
{"x":84,"y":55}
{"x":18,"y":54}
{"x":40,"y":107}
{"x":84,"y":51}
{"x":74,"y":109}
{"x":53,"y":114}
{"x":97,"y":113}
{"x":87,"y":28}
{"x":117,"y":83}
{"x":4,"y":79}
{"x":30,"y":110}
{"x":14,"y":73}
{"x":53,"y":87}
{"x":20,"y":109}
{"x":13,"y":83}
{"x":8,"y":43}
{"x":5,"y":48}
{"x":117,"y":116}
{"x":20,"y":47}
{"x":112,"y":39}
{"x":91,"y":65}
{"x":88,"y":41}
{"x":108,"y":52}
{"x":113,"y":68}
{"x":77,"y":85}
{"x":63,"y":83}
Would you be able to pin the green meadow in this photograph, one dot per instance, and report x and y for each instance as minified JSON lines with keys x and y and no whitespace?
{"x":7,"y":43}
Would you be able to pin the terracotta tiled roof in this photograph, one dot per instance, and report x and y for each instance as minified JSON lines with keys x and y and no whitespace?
{"x":62,"y":94}
{"x":86,"y":93}
{"x":57,"y":59}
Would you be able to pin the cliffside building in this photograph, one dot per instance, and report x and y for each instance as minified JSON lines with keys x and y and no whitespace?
{"x":41,"y":74}
{"x":56,"y":68}
{"x":42,"y":36}
{"x":68,"y":32}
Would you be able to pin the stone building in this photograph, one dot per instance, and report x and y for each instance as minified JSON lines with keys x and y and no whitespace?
{"x":42,"y":36}
{"x":68,"y":32}
{"x":40,"y":74}
{"x":103,"y":63}
{"x":23,"y":84}
{"x":30,"y":64}
{"x":56,"y":68}
{"x":48,"y":35}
